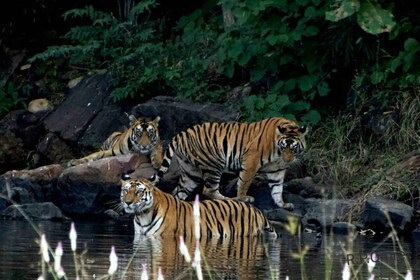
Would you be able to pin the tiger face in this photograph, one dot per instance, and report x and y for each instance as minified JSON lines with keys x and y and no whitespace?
{"x":136,"y":196}
{"x":290,"y":141}
{"x":144,"y":135}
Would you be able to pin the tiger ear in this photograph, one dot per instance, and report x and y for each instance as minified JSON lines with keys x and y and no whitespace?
{"x":282,"y":129}
{"x":132,"y":119}
{"x":125,"y":177}
{"x":156,"y":120}
{"x":303,"y":129}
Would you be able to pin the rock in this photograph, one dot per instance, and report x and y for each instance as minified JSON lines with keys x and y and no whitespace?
{"x":282,"y":215}
{"x":53,"y":149}
{"x":381,"y":122}
{"x":34,"y":211}
{"x":177,"y":115}
{"x":324,"y":212}
{"x":112,"y":214}
{"x":12,"y":151}
{"x":39,"y":105}
{"x":415,"y":235}
{"x":94,"y":187}
{"x":305,"y":187}
{"x":343,"y":228}
{"x":20,"y":130}
{"x":90,"y":114}
{"x":29,"y":186}
{"x":379,"y":212}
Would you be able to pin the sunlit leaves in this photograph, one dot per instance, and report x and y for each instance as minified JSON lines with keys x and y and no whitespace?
{"x":346,"y":9}
{"x":370,"y":16}
{"x":373,"y":19}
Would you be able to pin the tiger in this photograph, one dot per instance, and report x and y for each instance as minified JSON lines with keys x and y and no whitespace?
{"x":141,"y":137}
{"x":157,"y":213}
{"x":264,"y":148}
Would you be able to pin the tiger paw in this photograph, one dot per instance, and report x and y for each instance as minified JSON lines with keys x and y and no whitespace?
{"x":213,"y":194}
{"x":288,"y":206}
{"x":246,"y":198}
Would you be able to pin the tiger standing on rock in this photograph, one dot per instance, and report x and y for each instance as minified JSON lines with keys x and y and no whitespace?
{"x":159,"y":213}
{"x":141,"y":137}
{"x":205,"y":151}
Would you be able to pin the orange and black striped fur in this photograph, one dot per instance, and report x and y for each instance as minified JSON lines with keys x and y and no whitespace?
{"x":160,"y":213}
{"x":207,"y":150}
{"x":141,"y":137}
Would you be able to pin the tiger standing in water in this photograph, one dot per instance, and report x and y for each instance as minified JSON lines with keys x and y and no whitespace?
{"x":205,"y":151}
{"x":141,"y":137}
{"x":158,"y":213}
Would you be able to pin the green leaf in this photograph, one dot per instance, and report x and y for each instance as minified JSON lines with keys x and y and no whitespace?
{"x":283,"y":101}
{"x":290,"y":85}
{"x":411,"y":44}
{"x":271,"y":98}
{"x":259,"y":103}
{"x":249,"y":102}
{"x":373,"y":19}
{"x":299,"y":106}
{"x":377,"y":77}
{"x":243,"y":58}
{"x":311,"y":31}
{"x":323,"y":89}
{"x":310,"y":12}
{"x":229,"y":70}
{"x":236,"y":49}
{"x":271,"y":39}
{"x":395,"y":63}
{"x":312,"y":116}
{"x":257,"y":74}
{"x":346,"y":9}
{"x":307,"y":82}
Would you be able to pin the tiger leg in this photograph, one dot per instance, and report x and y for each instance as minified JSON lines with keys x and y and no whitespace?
{"x":246,"y":176}
{"x":188,"y":181}
{"x":211,"y":184}
{"x":156,"y":157}
{"x":275,"y":182}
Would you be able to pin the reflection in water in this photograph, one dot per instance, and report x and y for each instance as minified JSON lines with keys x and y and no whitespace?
{"x":238,"y":258}
{"x":244,"y":258}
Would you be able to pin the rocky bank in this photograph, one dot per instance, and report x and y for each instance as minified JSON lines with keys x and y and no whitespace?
{"x":35,"y":148}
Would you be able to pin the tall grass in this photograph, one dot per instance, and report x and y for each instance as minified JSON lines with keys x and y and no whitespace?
{"x":345,"y":155}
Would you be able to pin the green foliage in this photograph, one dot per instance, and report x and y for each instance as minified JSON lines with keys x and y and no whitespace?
{"x":370,"y":16}
{"x":9,"y":98}
{"x":290,"y":52}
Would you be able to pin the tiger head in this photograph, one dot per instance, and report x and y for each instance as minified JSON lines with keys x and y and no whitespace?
{"x":144,"y":134}
{"x":290,"y":140}
{"x":136,"y":195}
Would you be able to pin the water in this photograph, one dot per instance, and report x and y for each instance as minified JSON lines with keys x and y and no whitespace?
{"x":246,"y":258}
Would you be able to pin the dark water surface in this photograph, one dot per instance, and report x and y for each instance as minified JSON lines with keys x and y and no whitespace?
{"x":246,"y":258}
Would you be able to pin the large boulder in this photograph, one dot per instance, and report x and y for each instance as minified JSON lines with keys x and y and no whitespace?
{"x":88,"y":115}
{"x":20,"y":131}
{"x":29,"y":186}
{"x":34,"y":211}
{"x":94,"y":187}
{"x":323,"y":213}
{"x":178,"y":115}
{"x":381,"y":214}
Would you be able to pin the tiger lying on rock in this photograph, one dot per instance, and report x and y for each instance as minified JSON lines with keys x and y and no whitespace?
{"x":159,"y":213}
{"x":207,"y":150}
{"x":141,"y":137}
